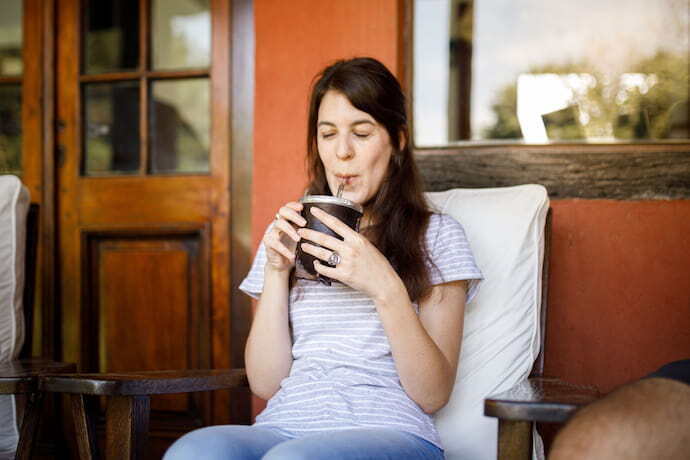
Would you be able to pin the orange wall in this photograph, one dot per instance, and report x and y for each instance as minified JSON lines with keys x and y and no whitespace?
{"x":619,"y":299}
{"x":295,"y":40}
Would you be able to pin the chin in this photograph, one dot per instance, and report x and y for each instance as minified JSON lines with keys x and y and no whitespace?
{"x":352,"y":197}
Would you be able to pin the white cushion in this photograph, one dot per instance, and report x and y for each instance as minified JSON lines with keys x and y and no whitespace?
{"x":505,"y":227}
{"x":14,"y":205}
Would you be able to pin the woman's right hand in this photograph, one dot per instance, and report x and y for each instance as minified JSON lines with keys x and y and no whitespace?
{"x":281,"y":239}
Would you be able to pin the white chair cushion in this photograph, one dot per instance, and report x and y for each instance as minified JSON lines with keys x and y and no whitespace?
{"x":14,"y":205}
{"x":505,"y":227}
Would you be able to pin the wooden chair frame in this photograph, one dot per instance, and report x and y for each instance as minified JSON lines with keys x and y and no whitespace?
{"x":21,"y":376}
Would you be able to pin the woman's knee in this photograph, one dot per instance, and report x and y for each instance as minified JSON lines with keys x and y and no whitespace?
{"x":192,"y":444}
{"x":356,"y":443}
{"x":222,"y":442}
{"x":291,"y":450}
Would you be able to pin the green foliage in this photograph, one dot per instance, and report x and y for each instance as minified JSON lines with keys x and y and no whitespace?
{"x":662,"y":112}
{"x":657,"y":110}
{"x":505,"y":108}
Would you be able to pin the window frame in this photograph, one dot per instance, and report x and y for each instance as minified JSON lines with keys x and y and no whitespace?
{"x":620,"y":170}
{"x":146,"y":76}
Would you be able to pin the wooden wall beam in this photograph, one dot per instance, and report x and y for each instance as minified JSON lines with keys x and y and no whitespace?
{"x":647,"y":172}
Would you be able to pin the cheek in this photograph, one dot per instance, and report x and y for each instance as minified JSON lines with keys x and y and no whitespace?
{"x":379,"y":167}
{"x":383,"y":159}
{"x":323,"y":155}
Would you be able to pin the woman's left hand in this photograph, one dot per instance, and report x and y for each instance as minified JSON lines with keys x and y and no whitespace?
{"x":361,"y":265}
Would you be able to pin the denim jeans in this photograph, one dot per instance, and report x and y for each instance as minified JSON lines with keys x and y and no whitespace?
{"x":239,"y":442}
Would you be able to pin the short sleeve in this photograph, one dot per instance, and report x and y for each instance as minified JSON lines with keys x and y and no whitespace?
{"x":451,"y":257}
{"x":253,"y":283}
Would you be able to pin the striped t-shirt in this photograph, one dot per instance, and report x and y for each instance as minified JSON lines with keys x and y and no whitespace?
{"x":343,"y":374}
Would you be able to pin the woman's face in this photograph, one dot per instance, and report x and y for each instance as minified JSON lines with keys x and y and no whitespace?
{"x":354,"y":148}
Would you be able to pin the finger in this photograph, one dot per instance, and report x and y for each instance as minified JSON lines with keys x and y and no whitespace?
{"x":322,"y":239}
{"x":276,"y":245}
{"x":287,"y":228}
{"x":296,"y":205}
{"x":326,"y":270}
{"x":291,"y":213}
{"x":332,"y":222}
{"x":316,"y":251}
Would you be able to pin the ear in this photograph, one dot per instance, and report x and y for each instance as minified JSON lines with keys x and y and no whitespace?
{"x":402,"y":139}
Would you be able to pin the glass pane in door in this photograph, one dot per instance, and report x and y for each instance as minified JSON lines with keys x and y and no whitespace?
{"x":111,"y":128}
{"x":11,"y":38}
{"x":181,"y":34}
{"x":180,"y":125}
{"x":111,"y":38}
{"x":10,"y":128}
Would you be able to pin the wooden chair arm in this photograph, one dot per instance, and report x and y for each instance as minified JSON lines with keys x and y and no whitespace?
{"x":539,"y":399}
{"x":145,"y":382}
{"x":128,"y":407}
{"x":21,"y":376}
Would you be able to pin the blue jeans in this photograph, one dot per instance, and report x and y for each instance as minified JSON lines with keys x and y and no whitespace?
{"x":240,"y":442}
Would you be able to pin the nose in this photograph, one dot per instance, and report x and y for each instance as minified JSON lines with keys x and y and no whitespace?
{"x":345,"y":149}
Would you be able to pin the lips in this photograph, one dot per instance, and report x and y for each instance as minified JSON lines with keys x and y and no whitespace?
{"x":346,"y":178}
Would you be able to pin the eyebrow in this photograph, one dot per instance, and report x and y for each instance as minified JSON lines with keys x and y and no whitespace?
{"x":354,"y":123}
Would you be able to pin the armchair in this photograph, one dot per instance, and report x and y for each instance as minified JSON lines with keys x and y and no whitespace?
{"x":502,"y":341}
{"x":19,"y":372}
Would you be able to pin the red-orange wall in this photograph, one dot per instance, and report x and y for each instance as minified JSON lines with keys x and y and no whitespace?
{"x":294,"y":40}
{"x":619,"y":299}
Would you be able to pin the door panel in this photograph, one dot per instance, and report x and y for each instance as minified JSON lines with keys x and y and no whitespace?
{"x":143,"y":197}
{"x":143,"y":285}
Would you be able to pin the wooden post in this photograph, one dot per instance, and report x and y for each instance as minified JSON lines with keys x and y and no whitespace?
{"x":29,"y":429}
{"x":83,"y":428}
{"x":127,"y":426}
{"x":514,"y":440}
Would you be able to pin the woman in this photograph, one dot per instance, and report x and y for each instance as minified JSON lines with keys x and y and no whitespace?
{"x":354,"y":369}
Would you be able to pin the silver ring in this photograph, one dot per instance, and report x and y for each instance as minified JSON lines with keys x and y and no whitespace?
{"x":334,"y":259}
{"x":278,"y":216}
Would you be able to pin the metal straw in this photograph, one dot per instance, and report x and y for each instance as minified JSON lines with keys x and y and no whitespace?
{"x":340,"y":189}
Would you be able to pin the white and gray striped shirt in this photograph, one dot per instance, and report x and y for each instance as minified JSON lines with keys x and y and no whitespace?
{"x":343,"y":374}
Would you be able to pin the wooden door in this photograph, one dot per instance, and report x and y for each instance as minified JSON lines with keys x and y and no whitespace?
{"x":143,"y":114}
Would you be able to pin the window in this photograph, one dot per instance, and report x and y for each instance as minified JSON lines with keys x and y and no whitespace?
{"x":146,"y":87}
{"x":11,"y":68}
{"x":534,"y":71}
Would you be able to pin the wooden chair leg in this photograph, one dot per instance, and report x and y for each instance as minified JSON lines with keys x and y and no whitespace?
{"x":514,"y":440}
{"x":127,"y":426}
{"x":29,"y":428}
{"x":84,"y":428}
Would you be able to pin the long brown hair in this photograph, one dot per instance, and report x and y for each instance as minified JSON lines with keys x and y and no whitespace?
{"x":399,"y":210}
